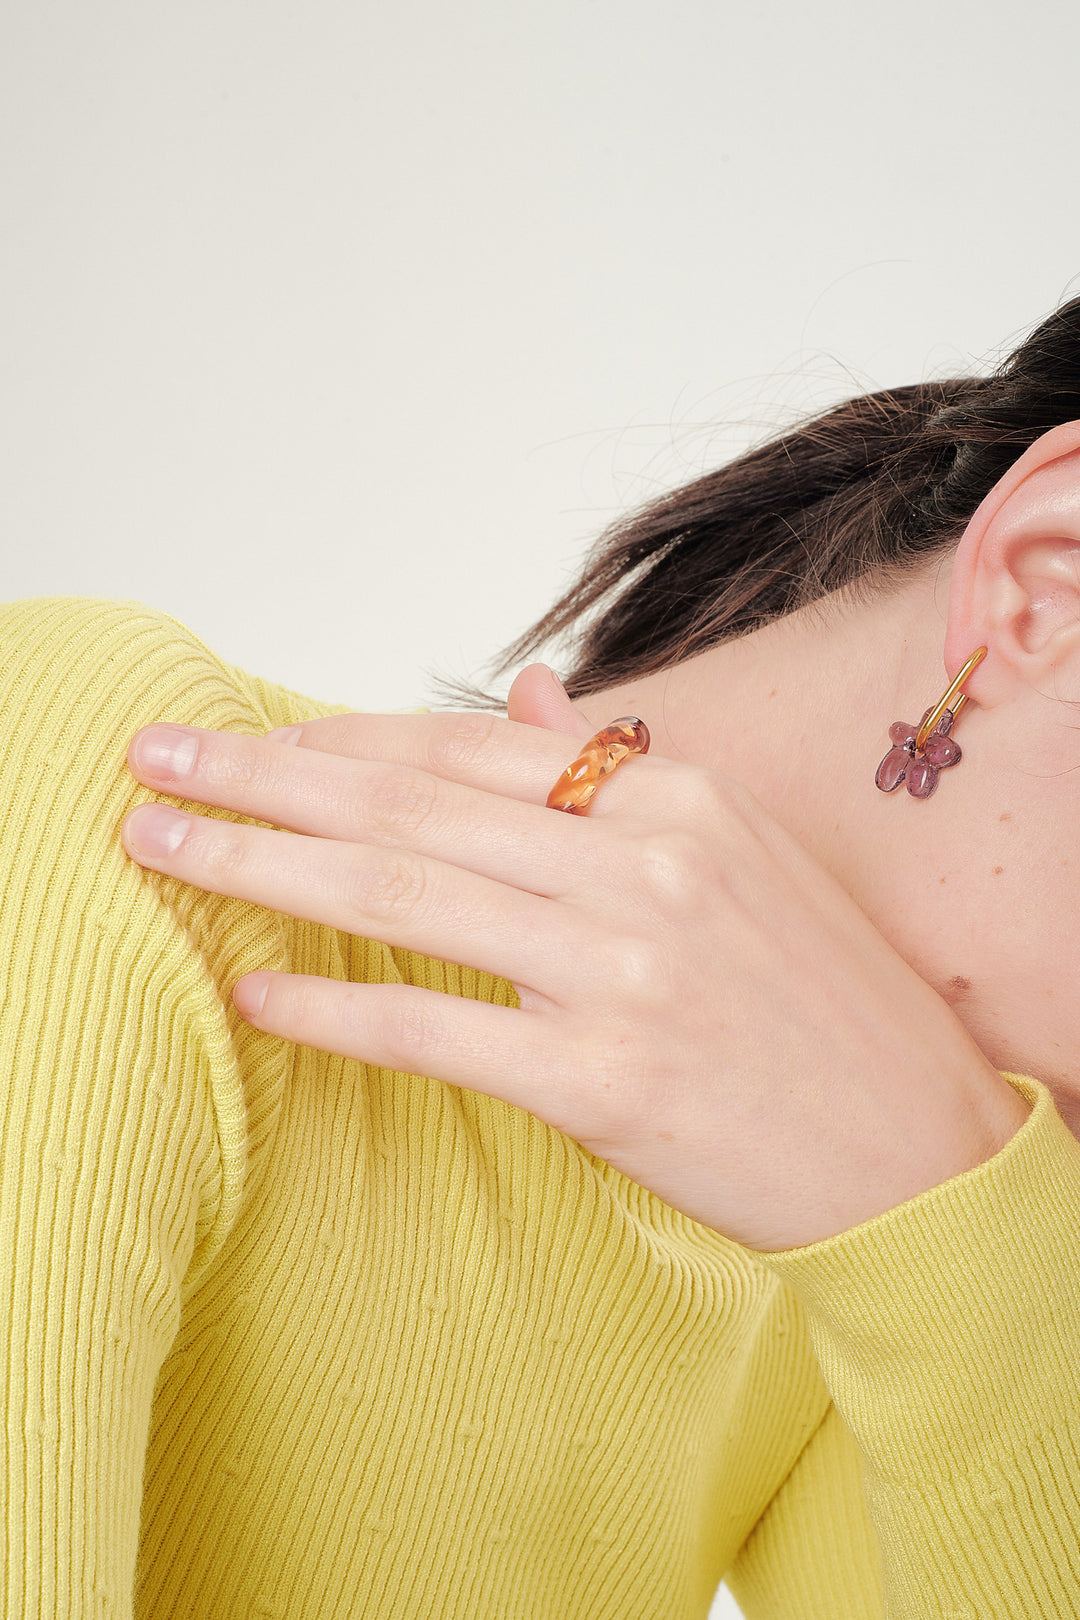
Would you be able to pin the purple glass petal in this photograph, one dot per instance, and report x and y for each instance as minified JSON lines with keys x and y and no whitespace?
{"x":890,"y":773}
{"x":902,"y":733}
{"x":942,"y":751}
{"x":921,"y":778}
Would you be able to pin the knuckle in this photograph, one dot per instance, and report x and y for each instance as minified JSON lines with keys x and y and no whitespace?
{"x":460,"y":741}
{"x":405,"y":1029}
{"x":636,"y":969}
{"x":400,"y":802}
{"x":669,"y":865}
{"x":708,"y":796}
{"x":222,"y":852}
{"x":713,"y":798}
{"x":410,"y":1035}
{"x":236,"y":761}
{"x":385,"y":886}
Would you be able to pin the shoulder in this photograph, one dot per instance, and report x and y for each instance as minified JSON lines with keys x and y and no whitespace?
{"x":136,"y":961}
{"x":79,"y":675}
{"x":86,"y":630}
{"x":107,"y":662}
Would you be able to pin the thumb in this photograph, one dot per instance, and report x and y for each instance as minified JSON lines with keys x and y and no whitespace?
{"x":538,"y":698}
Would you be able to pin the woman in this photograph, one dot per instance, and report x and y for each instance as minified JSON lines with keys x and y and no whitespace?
{"x":716,"y":1217}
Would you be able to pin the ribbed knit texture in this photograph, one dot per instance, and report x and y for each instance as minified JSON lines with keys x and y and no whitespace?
{"x":292,"y":1337}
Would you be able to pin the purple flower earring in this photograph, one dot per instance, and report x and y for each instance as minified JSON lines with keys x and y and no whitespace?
{"x":921,"y":752}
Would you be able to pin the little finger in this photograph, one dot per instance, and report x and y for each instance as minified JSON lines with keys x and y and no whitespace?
{"x":503,"y":1052}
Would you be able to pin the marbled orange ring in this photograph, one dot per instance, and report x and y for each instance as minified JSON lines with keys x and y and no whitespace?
{"x":601,"y":755}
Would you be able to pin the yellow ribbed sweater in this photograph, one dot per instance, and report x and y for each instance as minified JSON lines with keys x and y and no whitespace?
{"x":292,"y":1337}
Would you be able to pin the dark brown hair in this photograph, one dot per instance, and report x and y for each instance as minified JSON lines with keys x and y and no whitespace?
{"x":854,"y":500}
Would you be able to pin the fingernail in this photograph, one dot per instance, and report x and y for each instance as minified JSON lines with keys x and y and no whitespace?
{"x":155,"y":830}
{"x":558,"y":681}
{"x":284,"y":734}
{"x":250,"y":994}
{"x":167,"y":752}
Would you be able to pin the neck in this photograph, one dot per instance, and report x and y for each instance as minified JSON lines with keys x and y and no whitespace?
{"x":799,"y":712}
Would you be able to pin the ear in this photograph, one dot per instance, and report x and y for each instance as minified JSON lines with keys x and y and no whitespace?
{"x":1015,"y":587}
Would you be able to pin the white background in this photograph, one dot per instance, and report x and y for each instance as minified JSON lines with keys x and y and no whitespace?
{"x":339,"y":330}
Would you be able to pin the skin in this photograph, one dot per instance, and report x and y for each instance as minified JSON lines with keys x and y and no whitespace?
{"x":865,"y":963}
{"x":977,"y":887}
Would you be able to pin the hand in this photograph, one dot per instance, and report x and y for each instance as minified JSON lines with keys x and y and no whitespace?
{"x":702,"y":1005}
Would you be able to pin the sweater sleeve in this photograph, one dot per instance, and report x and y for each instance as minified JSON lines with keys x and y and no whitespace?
{"x":130,"y":1109}
{"x":814,"y":1554}
{"x":948,"y":1333}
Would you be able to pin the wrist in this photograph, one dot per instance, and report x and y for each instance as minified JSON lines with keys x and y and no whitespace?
{"x":1000,"y":1111}
{"x":971,"y":1113}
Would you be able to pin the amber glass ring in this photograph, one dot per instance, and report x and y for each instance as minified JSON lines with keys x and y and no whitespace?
{"x":601,"y":755}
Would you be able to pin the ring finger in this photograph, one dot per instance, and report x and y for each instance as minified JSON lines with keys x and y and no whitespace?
{"x":393,"y":895}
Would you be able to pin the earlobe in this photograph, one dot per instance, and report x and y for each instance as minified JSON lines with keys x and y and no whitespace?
{"x":1015,"y":586}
